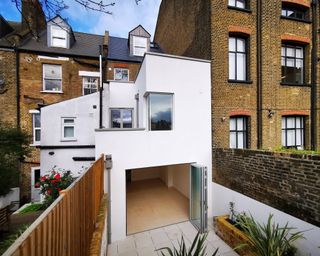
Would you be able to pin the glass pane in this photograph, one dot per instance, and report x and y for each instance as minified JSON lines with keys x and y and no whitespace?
{"x":290,"y":75}
{"x":283,"y":61}
{"x":241,"y":3}
{"x":37,"y":120}
{"x":68,"y":132}
{"x":290,"y":62}
{"x":283,"y":13}
{"x":52,"y":85}
{"x":52,"y":71}
{"x":283,"y":138}
{"x":118,"y":74}
{"x":299,"y":52}
{"x":298,"y":137}
{"x":298,"y":122}
{"x":290,"y":138}
{"x":290,"y":14}
{"x":195,"y":209}
{"x":233,"y":140}
{"x":299,"y":63}
{"x":283,"y":51}
{"x":36,"y":175}
{"x":232,"y":66}
{"x":290,"y":122}
{"x":232,"y":2}
{"x":37,"y":135}
{"x":160,"y":111}
{"x":140,"y":41}
{"x":232,"y":44}
{"x":58,"y":42}
{"x":283,"y":122}
{"x":233,"y":124}
{"x":241,"y":66}
{"x":115,"y":118}
{"x":241,"y":45}
{"x":241,"y":140}
{"x":299,"y":75}
{"x":127,"y":118}
{"x":240,"y":124}
{"x":68,"y":121}
{"x":290,"y":52}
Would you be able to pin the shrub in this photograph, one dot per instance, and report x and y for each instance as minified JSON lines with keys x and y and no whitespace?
{"x":52,"y":183}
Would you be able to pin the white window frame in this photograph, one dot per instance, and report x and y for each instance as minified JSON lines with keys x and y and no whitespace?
{"x":63,"y":125}
{"x":44,"y":79}
{"x":84,"y":83}
{"x":138,"y":45}
{"x":121,"y":116}
{"x":60,"y":38}
{"x":34,"y":112}
{"x":122,"y":69}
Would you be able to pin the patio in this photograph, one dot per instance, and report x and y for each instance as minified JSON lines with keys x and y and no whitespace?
{"x":145,"y":243}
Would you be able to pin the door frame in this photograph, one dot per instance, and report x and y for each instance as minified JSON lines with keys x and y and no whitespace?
{"x":33,"y":189}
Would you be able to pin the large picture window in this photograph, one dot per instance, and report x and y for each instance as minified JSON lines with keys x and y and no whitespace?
{"x":293,"y":131}
{"x":160,"y":111}
{"x":90,"y":85}
{"x":52,"y":78}
{"x":292,"y":63}
{"x":237,"y":59}
{"x":238,"y":132}
{"x":121,"y":118}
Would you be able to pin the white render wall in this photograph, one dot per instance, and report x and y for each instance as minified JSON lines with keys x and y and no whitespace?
{"x":221,"y":197}
{"x":188,"y":142}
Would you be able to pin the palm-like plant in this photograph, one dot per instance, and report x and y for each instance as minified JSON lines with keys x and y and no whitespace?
{"x":269,"y":239}
{"x":198,"y":248}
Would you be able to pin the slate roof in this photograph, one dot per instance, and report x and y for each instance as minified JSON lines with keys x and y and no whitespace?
{"x":119,"y":50}
{"x":85,"y":45}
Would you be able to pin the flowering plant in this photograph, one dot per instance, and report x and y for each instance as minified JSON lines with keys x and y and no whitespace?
{"x":51,"y":184}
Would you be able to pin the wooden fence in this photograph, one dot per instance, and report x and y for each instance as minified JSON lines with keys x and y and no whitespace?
{"x":66,"y":227}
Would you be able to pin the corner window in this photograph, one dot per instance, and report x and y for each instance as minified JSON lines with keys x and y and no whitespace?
{"x":139,"y":45}
{"x":238,"y":132}
{"x":68,"y":128}
{"x":237,"y":59}
{"x":121,"y":118}
{"x":237,"y":3}
{"x":52,"y":78}
{"x":36,"y":127}
{"x":58,"y":37}
{"x":293,"y":12}
{"x":293,"y":132}
{"x":292,"y":63}
{"x":121,"y":74}
{"x":160,"y":111}
{"x":90,"y":85}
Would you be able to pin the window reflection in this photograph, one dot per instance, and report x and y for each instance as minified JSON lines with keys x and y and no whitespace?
{"x":160,"y":108}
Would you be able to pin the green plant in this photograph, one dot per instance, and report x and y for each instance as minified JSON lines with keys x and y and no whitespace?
{"x":198,"y":248}
{"x":296,"y":151}
{"x":52,"y":183}
{"x":11,"y":238}
{"x":269,"y":239}
{"x":32,"y":208}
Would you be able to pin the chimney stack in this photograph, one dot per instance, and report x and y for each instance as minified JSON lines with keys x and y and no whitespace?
{"x":106,"y":43}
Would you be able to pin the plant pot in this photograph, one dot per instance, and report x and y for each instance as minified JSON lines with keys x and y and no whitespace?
{"x":233,"y":236}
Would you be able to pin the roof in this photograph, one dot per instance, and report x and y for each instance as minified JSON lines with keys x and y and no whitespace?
{"x":85,"y":45}
{"x":119,"y":50}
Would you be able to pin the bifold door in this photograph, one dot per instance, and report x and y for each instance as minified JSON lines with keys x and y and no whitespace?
{"x":198,"y":197}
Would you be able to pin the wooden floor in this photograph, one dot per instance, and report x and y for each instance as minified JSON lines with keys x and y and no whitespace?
{"x":151,"y":204}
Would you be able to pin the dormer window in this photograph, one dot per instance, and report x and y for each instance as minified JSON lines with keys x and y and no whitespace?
{"x":140,"y":45}
{"x":58,"y":37}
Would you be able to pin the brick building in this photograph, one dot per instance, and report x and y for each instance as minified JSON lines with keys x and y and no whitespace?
{"x":53,"y":63}
{"x":262,"y":79}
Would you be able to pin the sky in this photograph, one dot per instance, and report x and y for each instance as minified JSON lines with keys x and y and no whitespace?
{"x":126,"y":15}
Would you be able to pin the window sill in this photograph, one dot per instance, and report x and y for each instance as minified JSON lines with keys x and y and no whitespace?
{"x":54,"y":92}
{"x":299,"y":85}
{"x":239,"y":81}
{"x":69,"y":140}
{"x":34,"y":145}
{"x":295,"y":19}
{"x":239,"y":9}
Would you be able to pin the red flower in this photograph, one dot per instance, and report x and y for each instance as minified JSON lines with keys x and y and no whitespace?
{"x":59,"y":189}
{"x":53,"y":181}
{"x":43,"y":178}
{"x":49,"y":191}
{"x":37,"y":185}
{"x":57,"y":176}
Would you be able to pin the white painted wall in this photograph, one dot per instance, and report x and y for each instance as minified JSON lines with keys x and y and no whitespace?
{"x":188,"y":142}
{"x":222,"y":196}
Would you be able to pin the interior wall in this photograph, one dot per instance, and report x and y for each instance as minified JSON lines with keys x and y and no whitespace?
{"x":181,"y":178}
{"x":145,"y":173}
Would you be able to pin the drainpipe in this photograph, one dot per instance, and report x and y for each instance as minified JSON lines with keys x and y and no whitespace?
{"x":101,"y":89}
{"x":314,"y":62}
{"x":17,"y":86}
{"x":259,"y":73}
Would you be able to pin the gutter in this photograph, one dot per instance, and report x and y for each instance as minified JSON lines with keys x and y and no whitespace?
{"x":314,"y":64}
{"x":102,"y":64}
{"x":259,"y":73}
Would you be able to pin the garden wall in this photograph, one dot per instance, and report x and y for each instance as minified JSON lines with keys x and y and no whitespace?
{"x":288,"y":182}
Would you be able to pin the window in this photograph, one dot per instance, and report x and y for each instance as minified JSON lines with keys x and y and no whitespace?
{"x":121,"y":118}
{"x":293,"y":131}
{"x":36,"y":127}
{"x":292,"y":63}
{"x":58,"y":37}
{"x":293,"y":12}
{"x":121,"y":74}
{"x":237,"y":59}
{"x":68,"y":128}
{"x":139,"y":45}
{"x":238,"y":132}
{"x":90,"y":85}
{"x":52,"y":78}
{"x":160,"y":111}
{"x":237,"y":3}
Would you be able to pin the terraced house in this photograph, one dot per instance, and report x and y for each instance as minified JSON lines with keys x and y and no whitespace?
{"x":43,"y":63}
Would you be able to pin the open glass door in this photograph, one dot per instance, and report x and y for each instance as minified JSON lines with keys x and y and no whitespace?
{"x":198,"y":197}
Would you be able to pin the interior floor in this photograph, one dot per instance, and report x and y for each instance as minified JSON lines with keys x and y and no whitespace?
{"x":151,"y":204}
